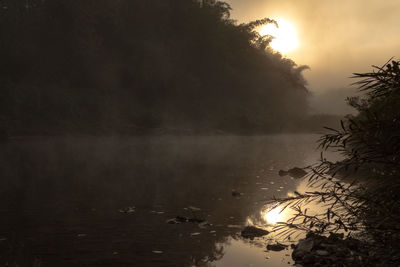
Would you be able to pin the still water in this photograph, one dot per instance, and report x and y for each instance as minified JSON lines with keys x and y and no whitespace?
{"x":105,"y":201}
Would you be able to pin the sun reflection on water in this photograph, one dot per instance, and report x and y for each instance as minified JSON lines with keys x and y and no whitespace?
{"x":270,"y":215}
{"x":273,"y":216}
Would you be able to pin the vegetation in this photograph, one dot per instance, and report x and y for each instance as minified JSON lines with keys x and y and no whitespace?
{"x":140,"y":66}
{"x":370,"y":145}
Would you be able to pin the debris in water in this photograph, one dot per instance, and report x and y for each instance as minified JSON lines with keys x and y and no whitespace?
{"x":196,"y":220}
{"x":127,"y":210}
{"x":194,"y":208}
{"x":82,"y":235}
{"x":204,"y":224}
{"x":234,"y":226}
{"x":264,"y":188}
{"x":194,"y":234}
{"x":182,"y":219}
{"x":158,"y":251}
{"x":236,"y":193}
{"x":271,"y":182}
{"x":177,"y":220}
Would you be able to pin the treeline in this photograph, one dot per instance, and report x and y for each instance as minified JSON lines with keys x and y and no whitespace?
{"x":132,"y":66}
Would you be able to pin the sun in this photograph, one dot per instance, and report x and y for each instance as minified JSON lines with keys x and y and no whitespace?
{"x":285,"y":36}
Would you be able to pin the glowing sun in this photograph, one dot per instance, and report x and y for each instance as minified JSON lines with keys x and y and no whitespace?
{"x":285,"y":36}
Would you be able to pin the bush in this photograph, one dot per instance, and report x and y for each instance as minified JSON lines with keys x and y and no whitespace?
{"x":370,"y":145}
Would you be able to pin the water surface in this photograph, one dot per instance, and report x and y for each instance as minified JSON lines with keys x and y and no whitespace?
{"x":61,"y":198}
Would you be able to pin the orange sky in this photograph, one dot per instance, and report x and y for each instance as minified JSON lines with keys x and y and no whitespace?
{"x":337,"y":37}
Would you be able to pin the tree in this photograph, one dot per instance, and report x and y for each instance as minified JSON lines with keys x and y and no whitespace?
{"x":103,"y":65}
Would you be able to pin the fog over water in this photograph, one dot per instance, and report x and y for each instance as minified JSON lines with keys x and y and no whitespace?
{"x":150,"y":133}
{"x":64,"y":197}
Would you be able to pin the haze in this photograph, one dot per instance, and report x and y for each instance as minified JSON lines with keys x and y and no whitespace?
{"x":337,"y":38}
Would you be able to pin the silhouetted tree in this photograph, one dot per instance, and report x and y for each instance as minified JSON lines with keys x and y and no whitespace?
{"x":101,"y":65}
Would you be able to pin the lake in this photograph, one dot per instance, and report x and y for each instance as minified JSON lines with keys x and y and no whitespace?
{"x":105,"y":201}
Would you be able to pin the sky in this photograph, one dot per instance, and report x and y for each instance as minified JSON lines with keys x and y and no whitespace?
{"x":337,"y":38}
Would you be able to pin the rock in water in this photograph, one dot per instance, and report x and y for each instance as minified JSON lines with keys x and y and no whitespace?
{"x":282,"y":173}
{"x":309,"y":259}
{"x":305,"y":245}
{"x":252,"y":232}
{"x":276,"y":247}
{"x":295,"y":172}
{"x":303,"y":248}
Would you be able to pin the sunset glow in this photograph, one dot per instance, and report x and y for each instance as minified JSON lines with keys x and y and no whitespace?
{"x":285,"y":37}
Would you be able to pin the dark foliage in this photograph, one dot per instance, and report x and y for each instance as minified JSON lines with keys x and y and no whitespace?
{"x":135,"y":66}
{"x":372,"y":138}
{"x":370,"y":143}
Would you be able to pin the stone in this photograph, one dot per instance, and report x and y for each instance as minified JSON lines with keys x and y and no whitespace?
{"x":336,"y":236}
{"x":322,"y":253}
{"x":295,"y":172}
{"x":305,"y":245}
{"x":297,"y":255}
{"x":328,"y":246}
{"x":308,"y":259}
{"x":276,"y":247}
{"x":252,"y":232}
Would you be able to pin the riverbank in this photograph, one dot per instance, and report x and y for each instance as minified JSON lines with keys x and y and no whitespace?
{"x":335,"y":250}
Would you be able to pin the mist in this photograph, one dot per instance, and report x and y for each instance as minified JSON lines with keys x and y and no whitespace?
{"x":172,"y":133}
